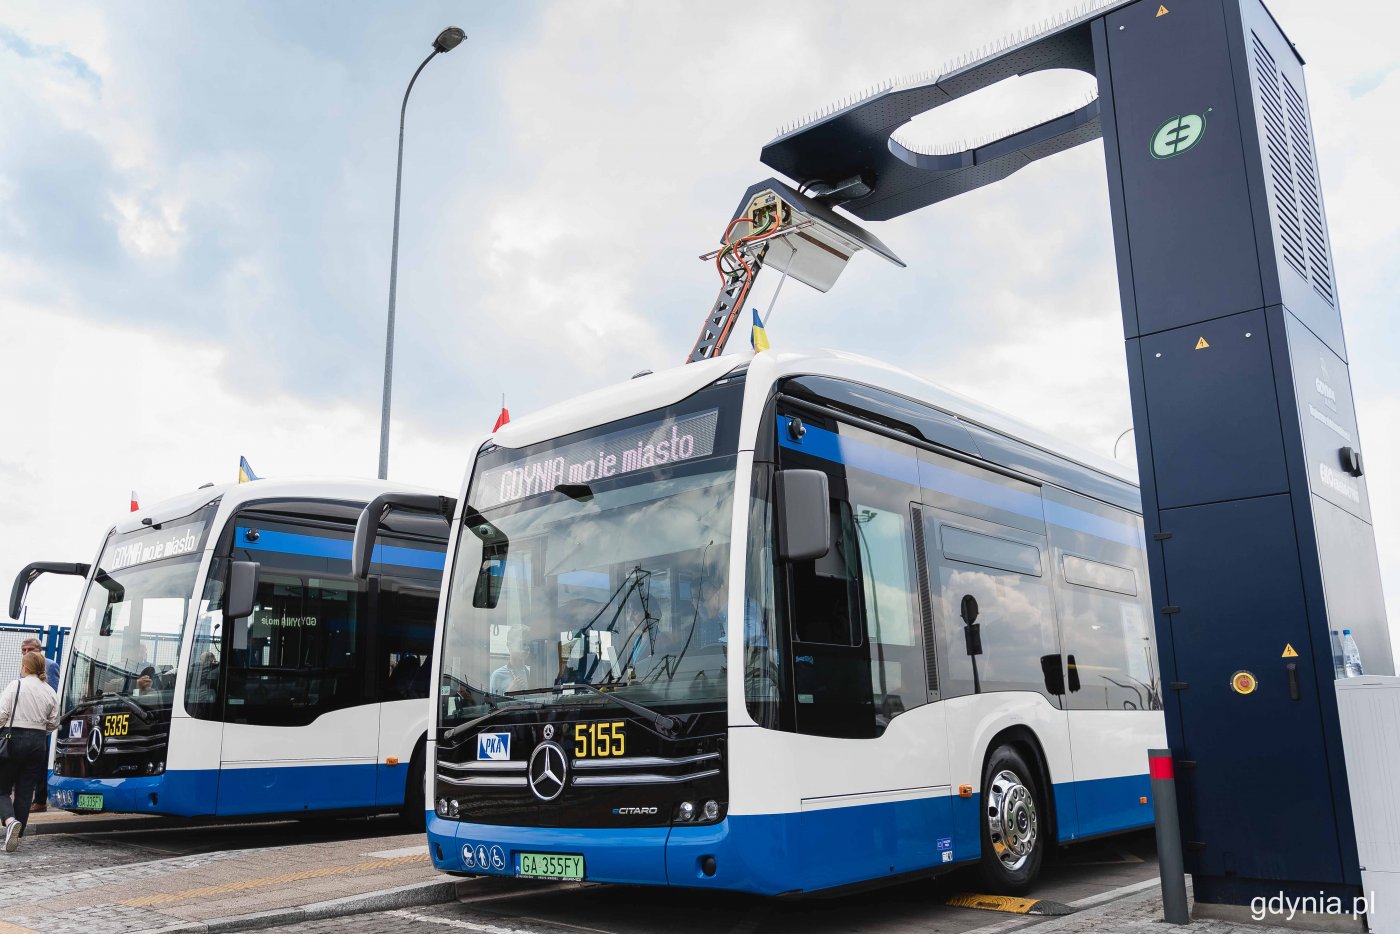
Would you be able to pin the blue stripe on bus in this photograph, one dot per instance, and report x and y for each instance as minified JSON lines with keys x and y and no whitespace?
{"x":771,"y":854}
{"x":249,"y":791}
{"x":315,"y":546}
{"x":828,"y":445}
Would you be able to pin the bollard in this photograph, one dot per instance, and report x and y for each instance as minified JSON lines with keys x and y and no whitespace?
{"x":1169,"y":861}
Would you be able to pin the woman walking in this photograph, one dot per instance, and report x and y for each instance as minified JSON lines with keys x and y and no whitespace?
{"x":28,"y":713}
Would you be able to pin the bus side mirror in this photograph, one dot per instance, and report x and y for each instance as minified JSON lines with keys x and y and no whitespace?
{"x":242,"y":589}
{"x":804,"y":514}
{"x":31,"y":571}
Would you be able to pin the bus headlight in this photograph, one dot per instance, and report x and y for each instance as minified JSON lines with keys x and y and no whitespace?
{"x":686,"y":812}
{"x":711,"y":811}
{"x":454,"y":808}
{"x":442,"y":807}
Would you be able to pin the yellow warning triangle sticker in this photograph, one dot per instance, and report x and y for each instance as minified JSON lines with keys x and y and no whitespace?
{"x":1289,"y":651}
{"x":1201,"y":344}
{"x":1162,"y":10}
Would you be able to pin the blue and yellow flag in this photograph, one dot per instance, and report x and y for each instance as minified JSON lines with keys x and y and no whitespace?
{"x":759,"y":338}
{"x":245,"y":470}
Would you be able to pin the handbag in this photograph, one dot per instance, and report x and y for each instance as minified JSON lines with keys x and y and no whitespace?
{"x":5,"y":734}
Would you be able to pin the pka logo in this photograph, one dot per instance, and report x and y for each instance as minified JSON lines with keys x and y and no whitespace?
{"x":1178,"y":135}
{"x":493,"y":746}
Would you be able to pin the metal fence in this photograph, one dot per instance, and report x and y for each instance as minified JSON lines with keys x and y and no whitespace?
{"x":12,"y":636}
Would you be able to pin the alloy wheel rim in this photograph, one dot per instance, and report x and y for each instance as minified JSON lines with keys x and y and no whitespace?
{"x":1012,"y":822}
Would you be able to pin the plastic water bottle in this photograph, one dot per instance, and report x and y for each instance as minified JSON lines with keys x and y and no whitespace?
{"x":1339,"y":665}
{"x":1352,"y":655}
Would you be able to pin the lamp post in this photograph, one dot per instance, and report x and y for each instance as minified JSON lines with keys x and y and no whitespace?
{"x":446,"y":41}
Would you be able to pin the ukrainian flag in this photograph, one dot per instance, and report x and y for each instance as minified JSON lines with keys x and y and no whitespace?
{"x":759,"y":338}
{"x":245,"y":470}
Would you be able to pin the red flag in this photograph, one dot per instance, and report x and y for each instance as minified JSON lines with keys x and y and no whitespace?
{"x":134,"y":504}
{"x":502,"y":419}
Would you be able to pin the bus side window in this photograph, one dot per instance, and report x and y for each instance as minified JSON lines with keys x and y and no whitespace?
{"x":831,"y":662}
{"x":997,"y":639}
{"x":826,"y":591}
{"x":407,"y":614}
{"x":1105,"y":617}
{"x":1109,"y":641}
{"x":891,"y":627}
{"x":204,"y":670}
{"x":303,"y":656}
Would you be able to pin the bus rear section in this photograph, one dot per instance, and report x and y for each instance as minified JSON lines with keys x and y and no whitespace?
{"x":312,"y":703}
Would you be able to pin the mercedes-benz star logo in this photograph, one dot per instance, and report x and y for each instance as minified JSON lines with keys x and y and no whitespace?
{"x":548,"y":769}
{"x":549,"y":731}
{"x":94,"y":746}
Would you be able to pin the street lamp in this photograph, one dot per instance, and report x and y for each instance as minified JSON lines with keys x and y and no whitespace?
{"x":446,"y":41}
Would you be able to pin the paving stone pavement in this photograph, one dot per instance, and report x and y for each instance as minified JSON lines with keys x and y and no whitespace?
{"x":1140,"y":912}
{"x":40,"y":888}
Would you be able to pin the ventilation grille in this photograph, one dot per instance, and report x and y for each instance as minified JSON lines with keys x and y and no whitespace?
{"x":1288,"y":142}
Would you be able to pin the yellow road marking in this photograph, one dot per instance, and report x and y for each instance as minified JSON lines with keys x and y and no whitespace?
{"x":242,"y":885}
{"x":1006,"y":903}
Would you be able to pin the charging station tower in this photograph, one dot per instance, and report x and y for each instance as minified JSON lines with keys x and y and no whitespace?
{"x":1253,"y":488}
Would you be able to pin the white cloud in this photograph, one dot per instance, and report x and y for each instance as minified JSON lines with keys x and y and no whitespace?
{"x":550,"y":234}
{"x":95,"y":411}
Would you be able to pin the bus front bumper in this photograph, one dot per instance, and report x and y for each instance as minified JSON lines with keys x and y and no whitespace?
{"x":678,"y":855}
{"x":181,"y":793}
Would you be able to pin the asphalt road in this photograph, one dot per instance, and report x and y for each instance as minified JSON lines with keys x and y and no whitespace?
{"x":1093,"y":872}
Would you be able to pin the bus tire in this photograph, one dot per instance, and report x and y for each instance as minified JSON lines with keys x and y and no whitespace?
{"x":411,"y":814}
{"x":1013,"y":823}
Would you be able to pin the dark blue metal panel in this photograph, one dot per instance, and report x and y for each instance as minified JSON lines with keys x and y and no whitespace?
{"x":1192,"y":233}
{"x":1232,"y":568}
{"x":1215,"y":420}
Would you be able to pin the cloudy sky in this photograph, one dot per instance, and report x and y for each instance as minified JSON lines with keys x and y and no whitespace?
{"x":196,"y":200}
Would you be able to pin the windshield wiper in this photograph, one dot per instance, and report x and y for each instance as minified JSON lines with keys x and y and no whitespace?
{"x":461,"y":728}
{"x":125,"y":700}
{"x":663,"y":723}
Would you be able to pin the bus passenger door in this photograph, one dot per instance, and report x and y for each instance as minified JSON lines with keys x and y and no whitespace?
{"x":401,"y":655}
{"x":868,"y":733}
{"x":299,"y":734}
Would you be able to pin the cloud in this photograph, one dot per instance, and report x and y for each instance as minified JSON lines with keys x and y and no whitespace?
{"x":208,"y":190}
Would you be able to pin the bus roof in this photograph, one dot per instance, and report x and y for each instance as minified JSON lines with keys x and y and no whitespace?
{"x":666,"y":387}
{"x":234,"y":494}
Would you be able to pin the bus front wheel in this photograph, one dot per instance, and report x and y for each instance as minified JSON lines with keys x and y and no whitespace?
{"x":1013,"y":824}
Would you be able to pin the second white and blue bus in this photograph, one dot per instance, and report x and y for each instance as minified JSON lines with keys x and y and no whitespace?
{"x":225,"y":662}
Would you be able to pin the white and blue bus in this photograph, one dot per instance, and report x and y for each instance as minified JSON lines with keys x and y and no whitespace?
{"x":941,"y":650}
{"x":225,"y":662}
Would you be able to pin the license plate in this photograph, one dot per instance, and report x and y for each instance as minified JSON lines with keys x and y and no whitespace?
{"x":87,"y":802}
{"x":567,"y":866}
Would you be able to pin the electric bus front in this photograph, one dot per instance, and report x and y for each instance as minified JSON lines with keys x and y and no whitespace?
{"x":581,"y":720}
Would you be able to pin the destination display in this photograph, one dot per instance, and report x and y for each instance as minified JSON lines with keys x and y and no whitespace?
{"x":153,"y":545}
{"x":668,"y":441}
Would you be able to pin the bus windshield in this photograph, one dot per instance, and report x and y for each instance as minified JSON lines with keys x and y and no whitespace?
{"x":127,"y":639}
{"x":617,"y":583}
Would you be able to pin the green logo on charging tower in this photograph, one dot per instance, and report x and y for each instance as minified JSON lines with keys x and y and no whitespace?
{"x":1178,"y":135}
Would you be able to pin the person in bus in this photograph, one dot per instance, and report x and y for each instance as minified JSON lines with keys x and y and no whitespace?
{"x":41,"y":789}
{"x":514,"y":675}
{"x":29,"y":707}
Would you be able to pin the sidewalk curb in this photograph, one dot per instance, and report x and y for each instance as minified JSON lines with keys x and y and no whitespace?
{"x":416,"y":895}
